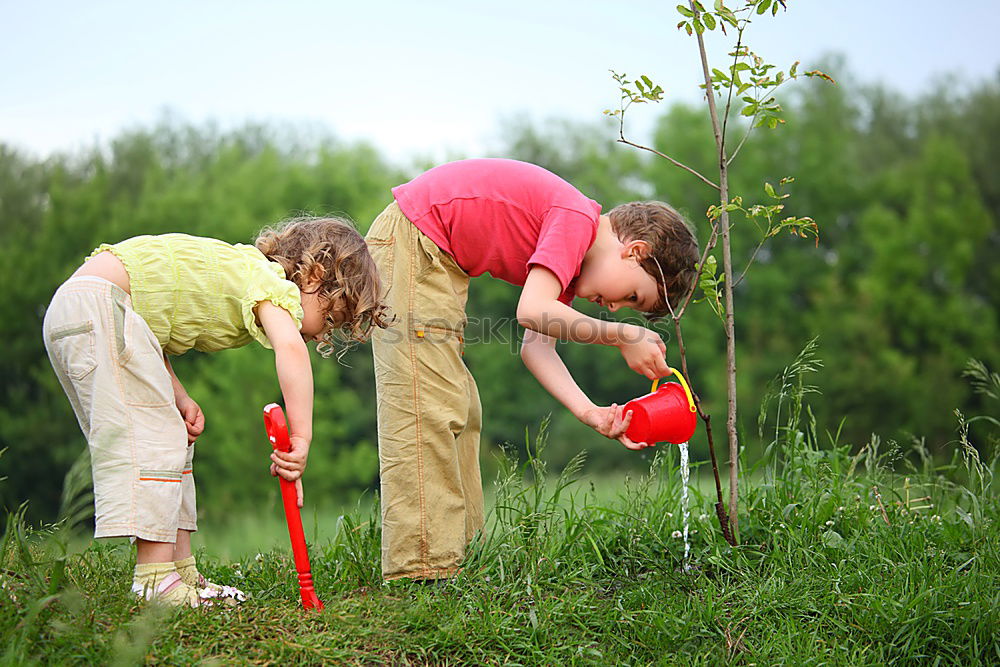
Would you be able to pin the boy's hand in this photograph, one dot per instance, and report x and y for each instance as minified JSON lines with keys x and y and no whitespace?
{"x":644,"y":352}
{"x":610,"y":423}
{"x":194,"y":418}
{"x":291,"y":464}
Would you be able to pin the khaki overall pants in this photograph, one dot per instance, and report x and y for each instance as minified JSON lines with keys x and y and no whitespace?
{"x":429,"y":415}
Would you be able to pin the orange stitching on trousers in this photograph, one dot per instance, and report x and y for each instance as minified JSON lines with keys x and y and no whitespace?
{"x":411,"y":285}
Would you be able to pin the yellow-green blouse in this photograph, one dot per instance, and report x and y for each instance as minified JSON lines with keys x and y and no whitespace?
{"x":200,"y":292}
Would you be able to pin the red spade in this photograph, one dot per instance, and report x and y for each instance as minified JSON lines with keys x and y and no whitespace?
{"x":277,"y":433}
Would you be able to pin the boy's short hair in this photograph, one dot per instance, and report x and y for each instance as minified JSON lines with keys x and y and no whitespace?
{"x":673,"y":257}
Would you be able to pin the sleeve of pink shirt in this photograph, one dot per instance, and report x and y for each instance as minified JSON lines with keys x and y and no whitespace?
{"x":563,"y":240}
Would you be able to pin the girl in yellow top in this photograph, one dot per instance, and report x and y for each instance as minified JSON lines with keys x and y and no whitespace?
{"x":109,"y":331}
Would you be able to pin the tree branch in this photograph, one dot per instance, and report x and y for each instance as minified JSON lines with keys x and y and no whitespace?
{"x":749,"y":262}
{"x":712,"y":240}
{"x":623,"y":140}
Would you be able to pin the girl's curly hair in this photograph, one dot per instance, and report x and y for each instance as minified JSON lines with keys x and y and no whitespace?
{"x":331,"y":248}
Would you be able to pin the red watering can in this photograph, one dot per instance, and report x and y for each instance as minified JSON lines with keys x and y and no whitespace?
{"x":666,"y":414}
{"x":277,"y":433}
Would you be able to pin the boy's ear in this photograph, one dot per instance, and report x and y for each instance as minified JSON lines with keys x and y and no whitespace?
{"x":637,"y":250}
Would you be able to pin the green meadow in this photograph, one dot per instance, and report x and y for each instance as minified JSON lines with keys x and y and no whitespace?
{"x":852,"y":554}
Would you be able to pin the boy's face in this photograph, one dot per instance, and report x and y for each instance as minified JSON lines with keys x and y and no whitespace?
{"x":617,"y":280}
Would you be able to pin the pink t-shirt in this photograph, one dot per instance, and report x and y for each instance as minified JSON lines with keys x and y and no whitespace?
{"x":502,"y":217}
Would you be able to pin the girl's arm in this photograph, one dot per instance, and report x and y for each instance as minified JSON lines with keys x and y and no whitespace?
{"x":538,"y":352}
{"x":194,"y":419}
{"x":291,"y":360}
{"x":539,"y":309}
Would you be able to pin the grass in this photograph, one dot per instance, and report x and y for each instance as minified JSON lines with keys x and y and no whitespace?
{"x":849,"y":556}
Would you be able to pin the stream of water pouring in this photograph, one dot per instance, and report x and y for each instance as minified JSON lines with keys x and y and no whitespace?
{"x":685,"y":475}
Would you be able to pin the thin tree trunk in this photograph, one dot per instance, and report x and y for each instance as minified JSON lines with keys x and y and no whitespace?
{"x":727,"y":267}
{"x":720,"y":506}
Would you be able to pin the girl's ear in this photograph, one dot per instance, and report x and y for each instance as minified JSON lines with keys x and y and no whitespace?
{"x":314,"y":279}
{"x":317,"y":274}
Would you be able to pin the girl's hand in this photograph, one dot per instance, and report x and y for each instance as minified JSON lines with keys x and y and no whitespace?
{"x":194,"y":418}
{"x":610,"y":423}
{"x":298,"y":484}
{"x":290,"y":465}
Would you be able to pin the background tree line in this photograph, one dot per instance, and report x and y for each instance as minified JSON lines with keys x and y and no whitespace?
{"x":901,"y":288}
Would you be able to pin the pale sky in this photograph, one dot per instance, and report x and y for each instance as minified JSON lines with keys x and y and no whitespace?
{"x":430,"y":78}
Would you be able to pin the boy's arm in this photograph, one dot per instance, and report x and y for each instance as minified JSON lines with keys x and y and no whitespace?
{"x":194,"y":418}
{"x":291,"y":360}
{"x":539,"y":309}
{"x":538,"y":352}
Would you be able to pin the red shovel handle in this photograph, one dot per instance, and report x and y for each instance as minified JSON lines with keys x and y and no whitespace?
{"x":277,"y":433}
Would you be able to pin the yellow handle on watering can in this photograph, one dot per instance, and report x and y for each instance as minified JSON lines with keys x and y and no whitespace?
{"x":684,"y":384}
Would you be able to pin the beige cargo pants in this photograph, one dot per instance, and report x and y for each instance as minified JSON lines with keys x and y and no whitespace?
{"x":110,"y":365}
{"x":429,"y":415}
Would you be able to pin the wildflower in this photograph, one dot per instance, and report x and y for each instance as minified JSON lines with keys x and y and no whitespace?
{"x":781,"y":525}
{"x":871,"y":507}
{"x":676,"y":533}
{"x":259,"y":557}
{"x":670,"y":515}
{"x":702,"y":517}
{"x":829,"y":523}
{"x":840,"y":509}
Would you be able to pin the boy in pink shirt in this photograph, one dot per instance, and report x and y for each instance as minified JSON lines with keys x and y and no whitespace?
{"x":525,"y":225}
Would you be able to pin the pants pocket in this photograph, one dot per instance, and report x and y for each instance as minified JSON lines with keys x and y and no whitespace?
{"x":383,"y":252}
{"x":72,"y":348}
{"x":145,"y":377}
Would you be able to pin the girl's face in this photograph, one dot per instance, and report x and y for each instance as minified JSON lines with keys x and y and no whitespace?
{"x":318,"y":317}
